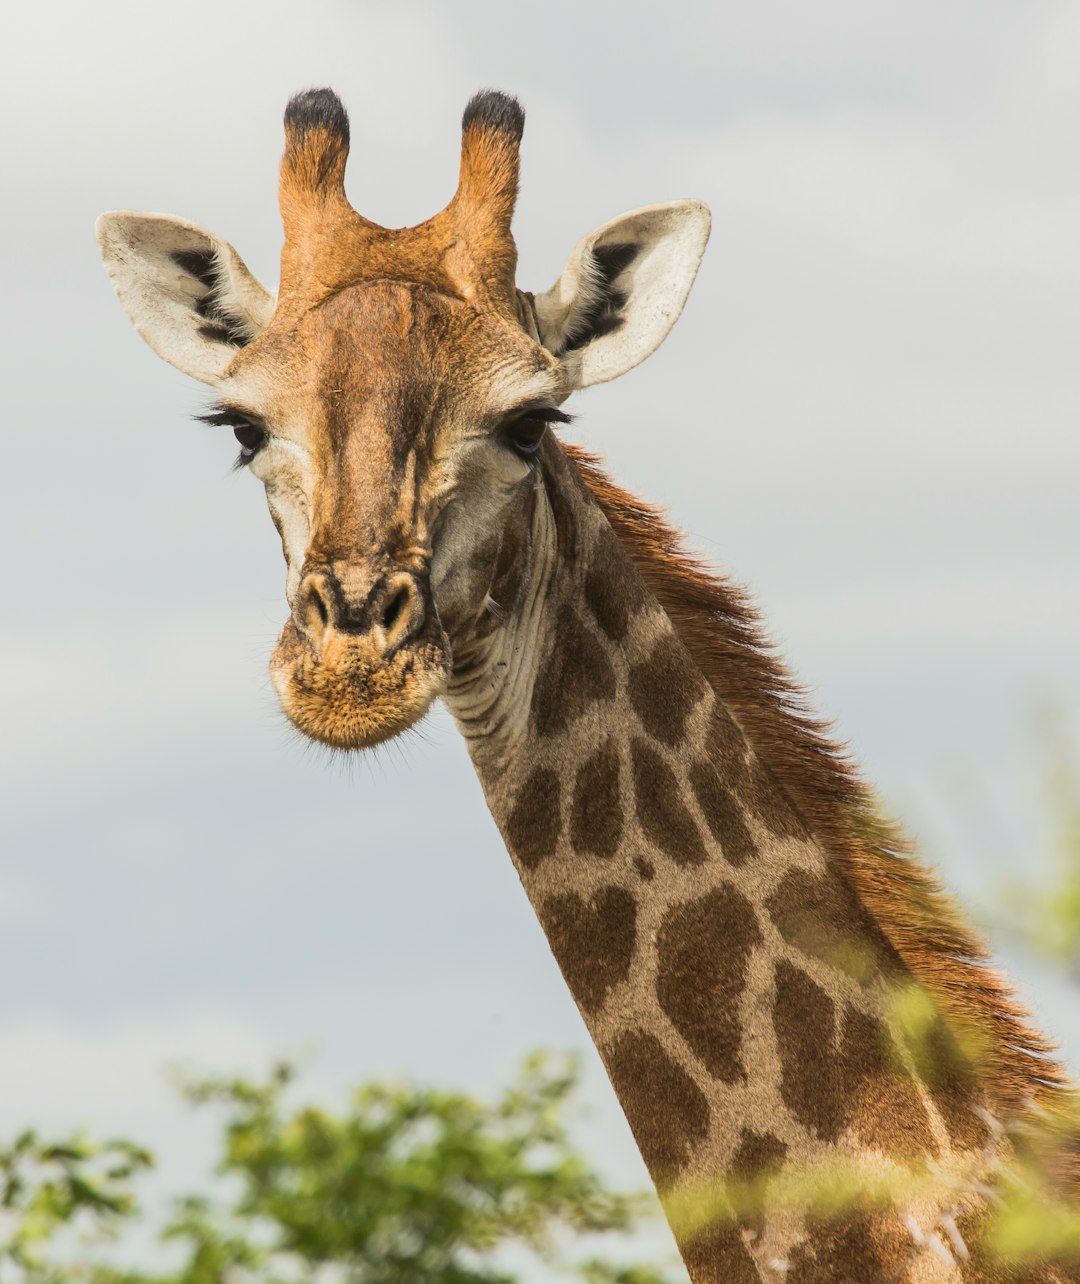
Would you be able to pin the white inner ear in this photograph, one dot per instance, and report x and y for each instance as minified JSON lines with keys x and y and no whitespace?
{"x":186,"y":291}
{"x":622,"y":290}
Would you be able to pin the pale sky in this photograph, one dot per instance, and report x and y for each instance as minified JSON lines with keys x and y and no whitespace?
{"x":868,"y":412}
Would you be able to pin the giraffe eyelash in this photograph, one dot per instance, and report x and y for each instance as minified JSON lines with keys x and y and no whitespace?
{"x":543,"y":414}
{"x":251,"y":435}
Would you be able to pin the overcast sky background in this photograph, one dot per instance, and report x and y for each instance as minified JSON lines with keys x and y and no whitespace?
{"x":868,"y":411}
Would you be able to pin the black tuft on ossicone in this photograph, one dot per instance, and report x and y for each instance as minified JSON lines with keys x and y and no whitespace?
{"x":317,"y":109}
{"x":492,"y":109}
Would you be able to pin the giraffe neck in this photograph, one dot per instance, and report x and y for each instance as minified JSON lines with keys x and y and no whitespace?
{"x":736,"y":989}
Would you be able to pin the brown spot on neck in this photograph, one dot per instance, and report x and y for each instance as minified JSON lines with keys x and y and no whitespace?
{"x":577,"y":675}
{"x":759,"y":1157}
{"x":719,"y":1255}
{"x":821,"y":916}
{"x":613,"y":590}
{"x":596,"y":817}
{"x":532,"y":828}
{"x":644,"y":1076}
{"x":768,"y":802}
{"x":813,"y":1081}
{"x":703,"y":949}
{"x":858,"y":1247}
{"x":722,"y":814}
{"x":840,"y":1071}
{"x":664,"y":690}
{"x":593,"y":941}
{"x":661,"y":810}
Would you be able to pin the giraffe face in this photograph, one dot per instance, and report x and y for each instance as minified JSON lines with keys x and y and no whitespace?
{"x":392,"y":395}
{"x":393,"y":428}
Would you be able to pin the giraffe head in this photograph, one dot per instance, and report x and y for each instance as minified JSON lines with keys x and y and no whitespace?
{"x":393,"y":397}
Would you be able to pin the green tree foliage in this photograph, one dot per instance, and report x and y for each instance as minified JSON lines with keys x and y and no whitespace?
{"x":406,"y":1184}
{"x":75,"y":1188}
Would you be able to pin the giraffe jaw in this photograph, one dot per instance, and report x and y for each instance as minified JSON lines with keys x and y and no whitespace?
{"x":350,"y":695}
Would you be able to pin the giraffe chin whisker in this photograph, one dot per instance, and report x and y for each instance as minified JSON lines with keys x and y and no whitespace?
{"x":351,"y":695}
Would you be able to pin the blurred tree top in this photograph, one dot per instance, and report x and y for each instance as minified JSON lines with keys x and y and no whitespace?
{"x":405,"y":1185}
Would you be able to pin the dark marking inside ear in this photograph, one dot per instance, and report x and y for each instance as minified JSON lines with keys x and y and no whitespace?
{"x":492,"y":109}
{"x":614,"y":259}
{"x":221,"y":334}
{"x":314,"y":109}
{"x":200,"y":264}
{"x":602,"y":311}
{"x":222,"y":326}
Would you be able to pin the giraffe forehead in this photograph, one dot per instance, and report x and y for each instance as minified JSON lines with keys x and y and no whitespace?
{"x":386,"y":364}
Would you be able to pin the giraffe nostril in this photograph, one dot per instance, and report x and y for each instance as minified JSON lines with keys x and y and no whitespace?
{"x":329,"y":604}
{"x":394,"y":609}
{"x":313,"y":609}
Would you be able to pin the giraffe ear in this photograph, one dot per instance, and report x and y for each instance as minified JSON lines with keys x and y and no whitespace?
{"x":623,"y":290}
{"x":187,"y":292}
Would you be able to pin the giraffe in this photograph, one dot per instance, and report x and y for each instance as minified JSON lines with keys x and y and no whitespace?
{"x":738,"y":928}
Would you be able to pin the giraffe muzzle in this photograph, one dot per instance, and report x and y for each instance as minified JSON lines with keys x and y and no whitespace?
{"x":361,"y":658}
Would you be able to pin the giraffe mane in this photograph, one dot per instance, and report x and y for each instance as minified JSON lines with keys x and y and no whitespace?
{"x":724,"y":633}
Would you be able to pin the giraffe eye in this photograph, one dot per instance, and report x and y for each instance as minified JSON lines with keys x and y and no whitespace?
{"x":525,"y":433}
{"x":250,"y":434}
{"x":251,"y":439}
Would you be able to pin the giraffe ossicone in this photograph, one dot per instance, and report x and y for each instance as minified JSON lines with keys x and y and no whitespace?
{"x":745,"y":940}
